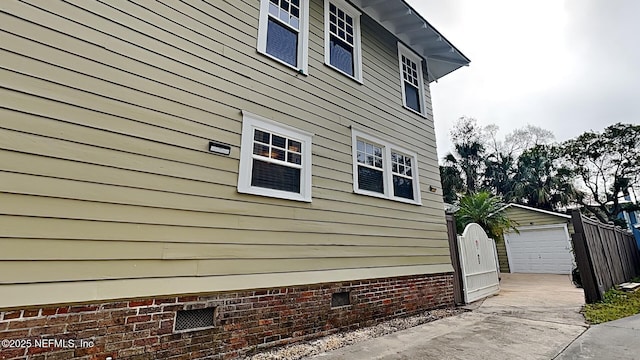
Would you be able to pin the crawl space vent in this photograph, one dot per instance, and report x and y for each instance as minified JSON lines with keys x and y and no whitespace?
{"x":340,"y":299}
{"x":194,"y":319}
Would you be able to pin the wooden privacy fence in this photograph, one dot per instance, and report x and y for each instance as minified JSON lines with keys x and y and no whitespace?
{"x":606,"y":256}
{"x":458,"y":290}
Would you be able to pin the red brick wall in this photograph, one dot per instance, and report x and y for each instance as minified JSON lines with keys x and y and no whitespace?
{"x":246,"y":321}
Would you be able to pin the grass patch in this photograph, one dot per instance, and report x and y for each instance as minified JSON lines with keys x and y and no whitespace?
{"x":616,"y":305}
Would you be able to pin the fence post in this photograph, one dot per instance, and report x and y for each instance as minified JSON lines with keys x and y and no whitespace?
{"x":458,"y":291}
{"x":583,"y":259}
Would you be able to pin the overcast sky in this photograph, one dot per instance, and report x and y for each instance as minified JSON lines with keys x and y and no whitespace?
{"x":564,"y":65}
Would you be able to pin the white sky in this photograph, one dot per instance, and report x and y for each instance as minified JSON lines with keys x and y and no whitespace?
{"x":564,"y":65}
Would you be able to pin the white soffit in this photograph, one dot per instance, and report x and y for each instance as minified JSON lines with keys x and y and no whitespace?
{"x":414,"y":31}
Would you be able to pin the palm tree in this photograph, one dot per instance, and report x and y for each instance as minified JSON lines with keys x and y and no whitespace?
{"x":485,"y":209}
{"x":452,"y":183}
{"x":541,"y":183}
{"x":471,"y":156}
{"x":499,"y":175}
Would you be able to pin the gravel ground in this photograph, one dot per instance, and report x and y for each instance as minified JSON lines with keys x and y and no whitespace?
{"x":335,"y":341}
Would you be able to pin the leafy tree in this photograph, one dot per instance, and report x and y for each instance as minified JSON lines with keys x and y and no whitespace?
{"x":530,"y":136}
{"x":468,"y":156}
{"x":521,"y":168}
{"x":606,"y":164}
{"x":484,"y":209}
{"x":516,"y":142}
{"x":501,"y":162}
{"x":542,"y":182}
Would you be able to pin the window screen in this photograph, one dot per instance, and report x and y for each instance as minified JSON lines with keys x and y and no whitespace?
{"x":370,"y":167}
{"x":283,"y":30}
{"x":342,"y":40}
{"x":272,"y":176}
{"x":412,"y":97}
{"x":275,"y":159}
{"x":411,"y":84}
{"x":277,"y":162}
{"x":401,"y":168}
{"x":282,"y":43}
{"x":341,"y":56}
{"x":384,"y":170}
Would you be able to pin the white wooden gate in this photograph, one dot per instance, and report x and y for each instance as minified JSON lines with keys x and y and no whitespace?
{"x":478,"y":258}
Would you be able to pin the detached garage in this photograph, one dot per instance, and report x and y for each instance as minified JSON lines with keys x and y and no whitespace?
{"x":543,"y":244}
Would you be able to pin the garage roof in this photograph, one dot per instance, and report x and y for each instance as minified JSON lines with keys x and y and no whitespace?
{"x":414,"y":31}
{"x":535,"y":209}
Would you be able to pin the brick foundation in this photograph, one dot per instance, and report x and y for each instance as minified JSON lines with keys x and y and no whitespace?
{"x":246,"y":321}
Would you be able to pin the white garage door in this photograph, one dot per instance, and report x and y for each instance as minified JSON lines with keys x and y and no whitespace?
{"x":540,"y":250}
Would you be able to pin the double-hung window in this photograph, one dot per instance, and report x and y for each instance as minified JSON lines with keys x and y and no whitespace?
{"x":382,"y":169}
{"x":283,"y":32}
{"x":275,"y":159}
{"x":411,"y":79}
{"x":342,"y":49}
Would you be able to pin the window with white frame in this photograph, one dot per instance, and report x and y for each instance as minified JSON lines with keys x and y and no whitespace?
{"x":283,"y":31}
{"x":382,"y":169}
{"x":411,"y":79}
{"x":342,"y":38}
{"x":402,"y":173}
{"x":275,"y":159}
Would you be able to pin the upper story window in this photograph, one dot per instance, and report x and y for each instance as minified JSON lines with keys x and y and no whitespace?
{"x":411,"y":79}
{"x":342,"y":49}
{"x":382,"y":169}
{"x":275,"y":159}
{"x":283,"y":32}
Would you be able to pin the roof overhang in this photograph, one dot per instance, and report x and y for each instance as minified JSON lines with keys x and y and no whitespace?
{"x":413,"y":30}
{"x":535,"y":209}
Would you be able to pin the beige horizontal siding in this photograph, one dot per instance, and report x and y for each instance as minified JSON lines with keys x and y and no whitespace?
{"x":22,"y":227}
{"x":33,"y":294}
{"x":106,"y":184}
{"x":257,"y":84}
{"x":207,"y":216}
{"x":65,"y":249}
{"x":16,"y":272}
{"x":167,"y":191}
{"x":203,"y":189}
{"x":31,"y":85}
{"x":503,"y":259}
{"x":525,"y":217}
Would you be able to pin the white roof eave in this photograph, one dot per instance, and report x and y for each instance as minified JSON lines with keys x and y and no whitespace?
{"x":536,"y":210}
{"x":414,"y":31}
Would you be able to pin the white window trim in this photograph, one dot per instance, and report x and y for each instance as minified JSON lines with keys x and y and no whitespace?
{"x":249,"y":123}
{"x":386,"y":167}
{"x":408,"y":53}
{"x":303,"y":37}
{"x":357,"y":51}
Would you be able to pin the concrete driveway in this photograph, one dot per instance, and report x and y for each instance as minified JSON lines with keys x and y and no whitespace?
{"x":533,"y":317}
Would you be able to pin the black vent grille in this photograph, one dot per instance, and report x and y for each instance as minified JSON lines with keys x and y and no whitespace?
{"x":195,"y":319}
{"x":340,"y":299}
